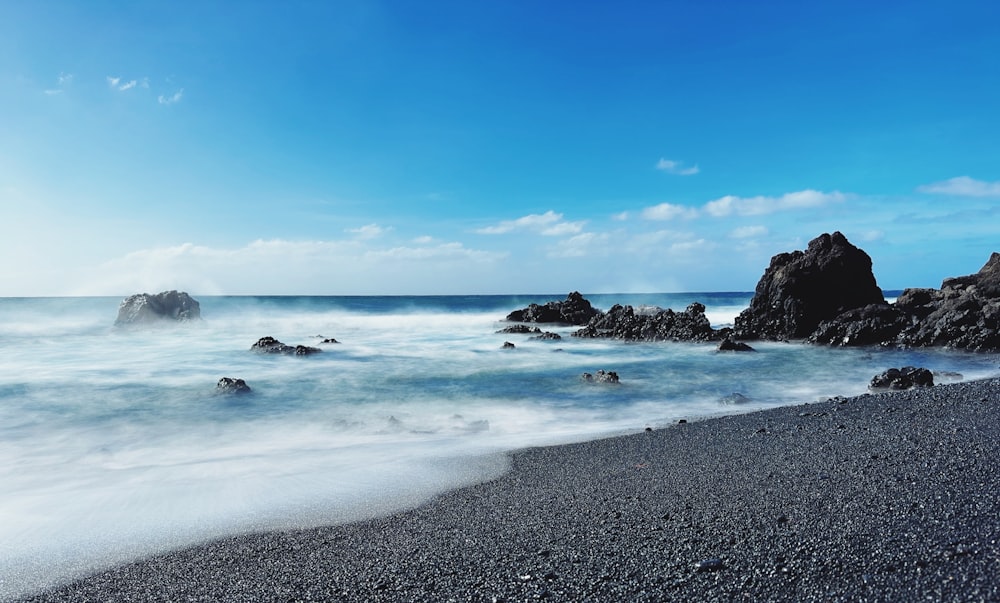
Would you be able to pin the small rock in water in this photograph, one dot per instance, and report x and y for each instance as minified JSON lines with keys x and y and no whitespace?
{"x":735,"y":398}
{"x":507,"y":345}
{"x":904,"y":378}
{"x":270,"y":345}
{"x":549,"y":336}
{"x":601,"y":376}
{"x":731,"y":345}
{"x":231,"y":385}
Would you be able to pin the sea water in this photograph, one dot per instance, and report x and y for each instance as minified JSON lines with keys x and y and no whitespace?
{"x":115,"y":444}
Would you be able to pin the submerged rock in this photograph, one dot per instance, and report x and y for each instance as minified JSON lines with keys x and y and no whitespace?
{"x":145,"y":308}
{"x":231,"y":385}
{"x":730,"y":345}
{"x":519,"y":330}
{"x":904,"y":378}
{"x":601,"y":376}
{"x":270,"y":345}
{"x":801,"y":289}
{"x":548,"y":335}
{"x":574,"y":310}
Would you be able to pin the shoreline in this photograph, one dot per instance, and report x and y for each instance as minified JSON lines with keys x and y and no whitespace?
{"x":888,"y":496}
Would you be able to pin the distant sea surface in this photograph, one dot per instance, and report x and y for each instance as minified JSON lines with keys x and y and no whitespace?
{"x":114,"y":443}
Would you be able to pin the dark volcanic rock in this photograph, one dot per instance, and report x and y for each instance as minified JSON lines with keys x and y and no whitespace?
{"x":601,"y":376}
{"x":904,"y":378}
{"x":148,"y":308}
{"x":574,"y":310}
{"x":231,"y":385}
{"x":548,"y":335}
{"x":964,"y":313}
{"x":507,"y":346}
{"x":874,"y":324}
{"x":519,"y":330}
{"x":624,"y":322}
{"x":270,"y":345}
{"x":799,"y":290}
{"x":730,"y":345}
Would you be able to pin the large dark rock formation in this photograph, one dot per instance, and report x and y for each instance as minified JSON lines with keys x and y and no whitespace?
{"x":964,"y":313}
{"x":145,"y":308}
{"x":801,"y":289}
{"x":624,"y":322}
{"x":575,"y":310}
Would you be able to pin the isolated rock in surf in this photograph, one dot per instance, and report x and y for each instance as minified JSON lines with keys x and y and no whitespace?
{"x":270,"y":345}
{"x":145,"y":308}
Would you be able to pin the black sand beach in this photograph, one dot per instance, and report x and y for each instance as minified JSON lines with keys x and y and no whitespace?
{"x":886,"y":497}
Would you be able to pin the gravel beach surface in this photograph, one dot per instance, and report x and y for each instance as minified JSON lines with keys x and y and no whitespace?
{"x":884,"y":497}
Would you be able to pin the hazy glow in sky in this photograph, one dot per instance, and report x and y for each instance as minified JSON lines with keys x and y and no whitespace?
{"x":457,"y":147}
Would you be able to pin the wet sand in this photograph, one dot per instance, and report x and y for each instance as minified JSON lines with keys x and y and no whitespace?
{"x":885,"y":497}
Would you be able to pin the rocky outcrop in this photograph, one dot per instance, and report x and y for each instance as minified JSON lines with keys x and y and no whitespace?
{"x":624,"y":322}
{"x":270,"y":345}
{"x":146,"y":308}
{"x":874,"y":324}
{"x":904,"y":378}
{"x":964,"y":313}
{"x":574,"y":310}
{"x":801,"y":289}
{"x":232,"y":385}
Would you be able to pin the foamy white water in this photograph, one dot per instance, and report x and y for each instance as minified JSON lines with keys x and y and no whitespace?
{"x":114,"y":444}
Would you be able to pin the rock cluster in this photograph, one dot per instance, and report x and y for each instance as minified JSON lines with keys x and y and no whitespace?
{"x":964,"y":313}
{"x":144,"y":308}
{"x":574,"y":310}
{"x":624,"y":322}
{"x":828,"y":295}
{"x":270,"y":345}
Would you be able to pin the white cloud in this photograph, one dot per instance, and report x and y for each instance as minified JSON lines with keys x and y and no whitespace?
{"x":583,"y":244}
{"x":128,"y":85}
{"x":669,"y":211}
{"x":676,"y":167}
{"x":963,"y":186}
{"x":563,"y":228}
{"x":424,"y":240}
{"x":756,"y":206}
{"x":169,"y":100}
{"x":550,"y":224}
{"x":350,"y":266}
{"x":113,"y":81}
{"x":622,"y":217}
{"x":65,"y":79}
{"x":369,"y":231}
{"x":748,"y":232}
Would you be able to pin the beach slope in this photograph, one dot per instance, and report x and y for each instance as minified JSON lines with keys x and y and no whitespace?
{"x":884,"y":497}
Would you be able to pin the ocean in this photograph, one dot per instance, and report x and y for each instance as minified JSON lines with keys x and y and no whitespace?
{"x":114,"y":443}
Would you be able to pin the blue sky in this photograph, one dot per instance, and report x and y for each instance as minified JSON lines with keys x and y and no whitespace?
{"x":490,"y":147}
